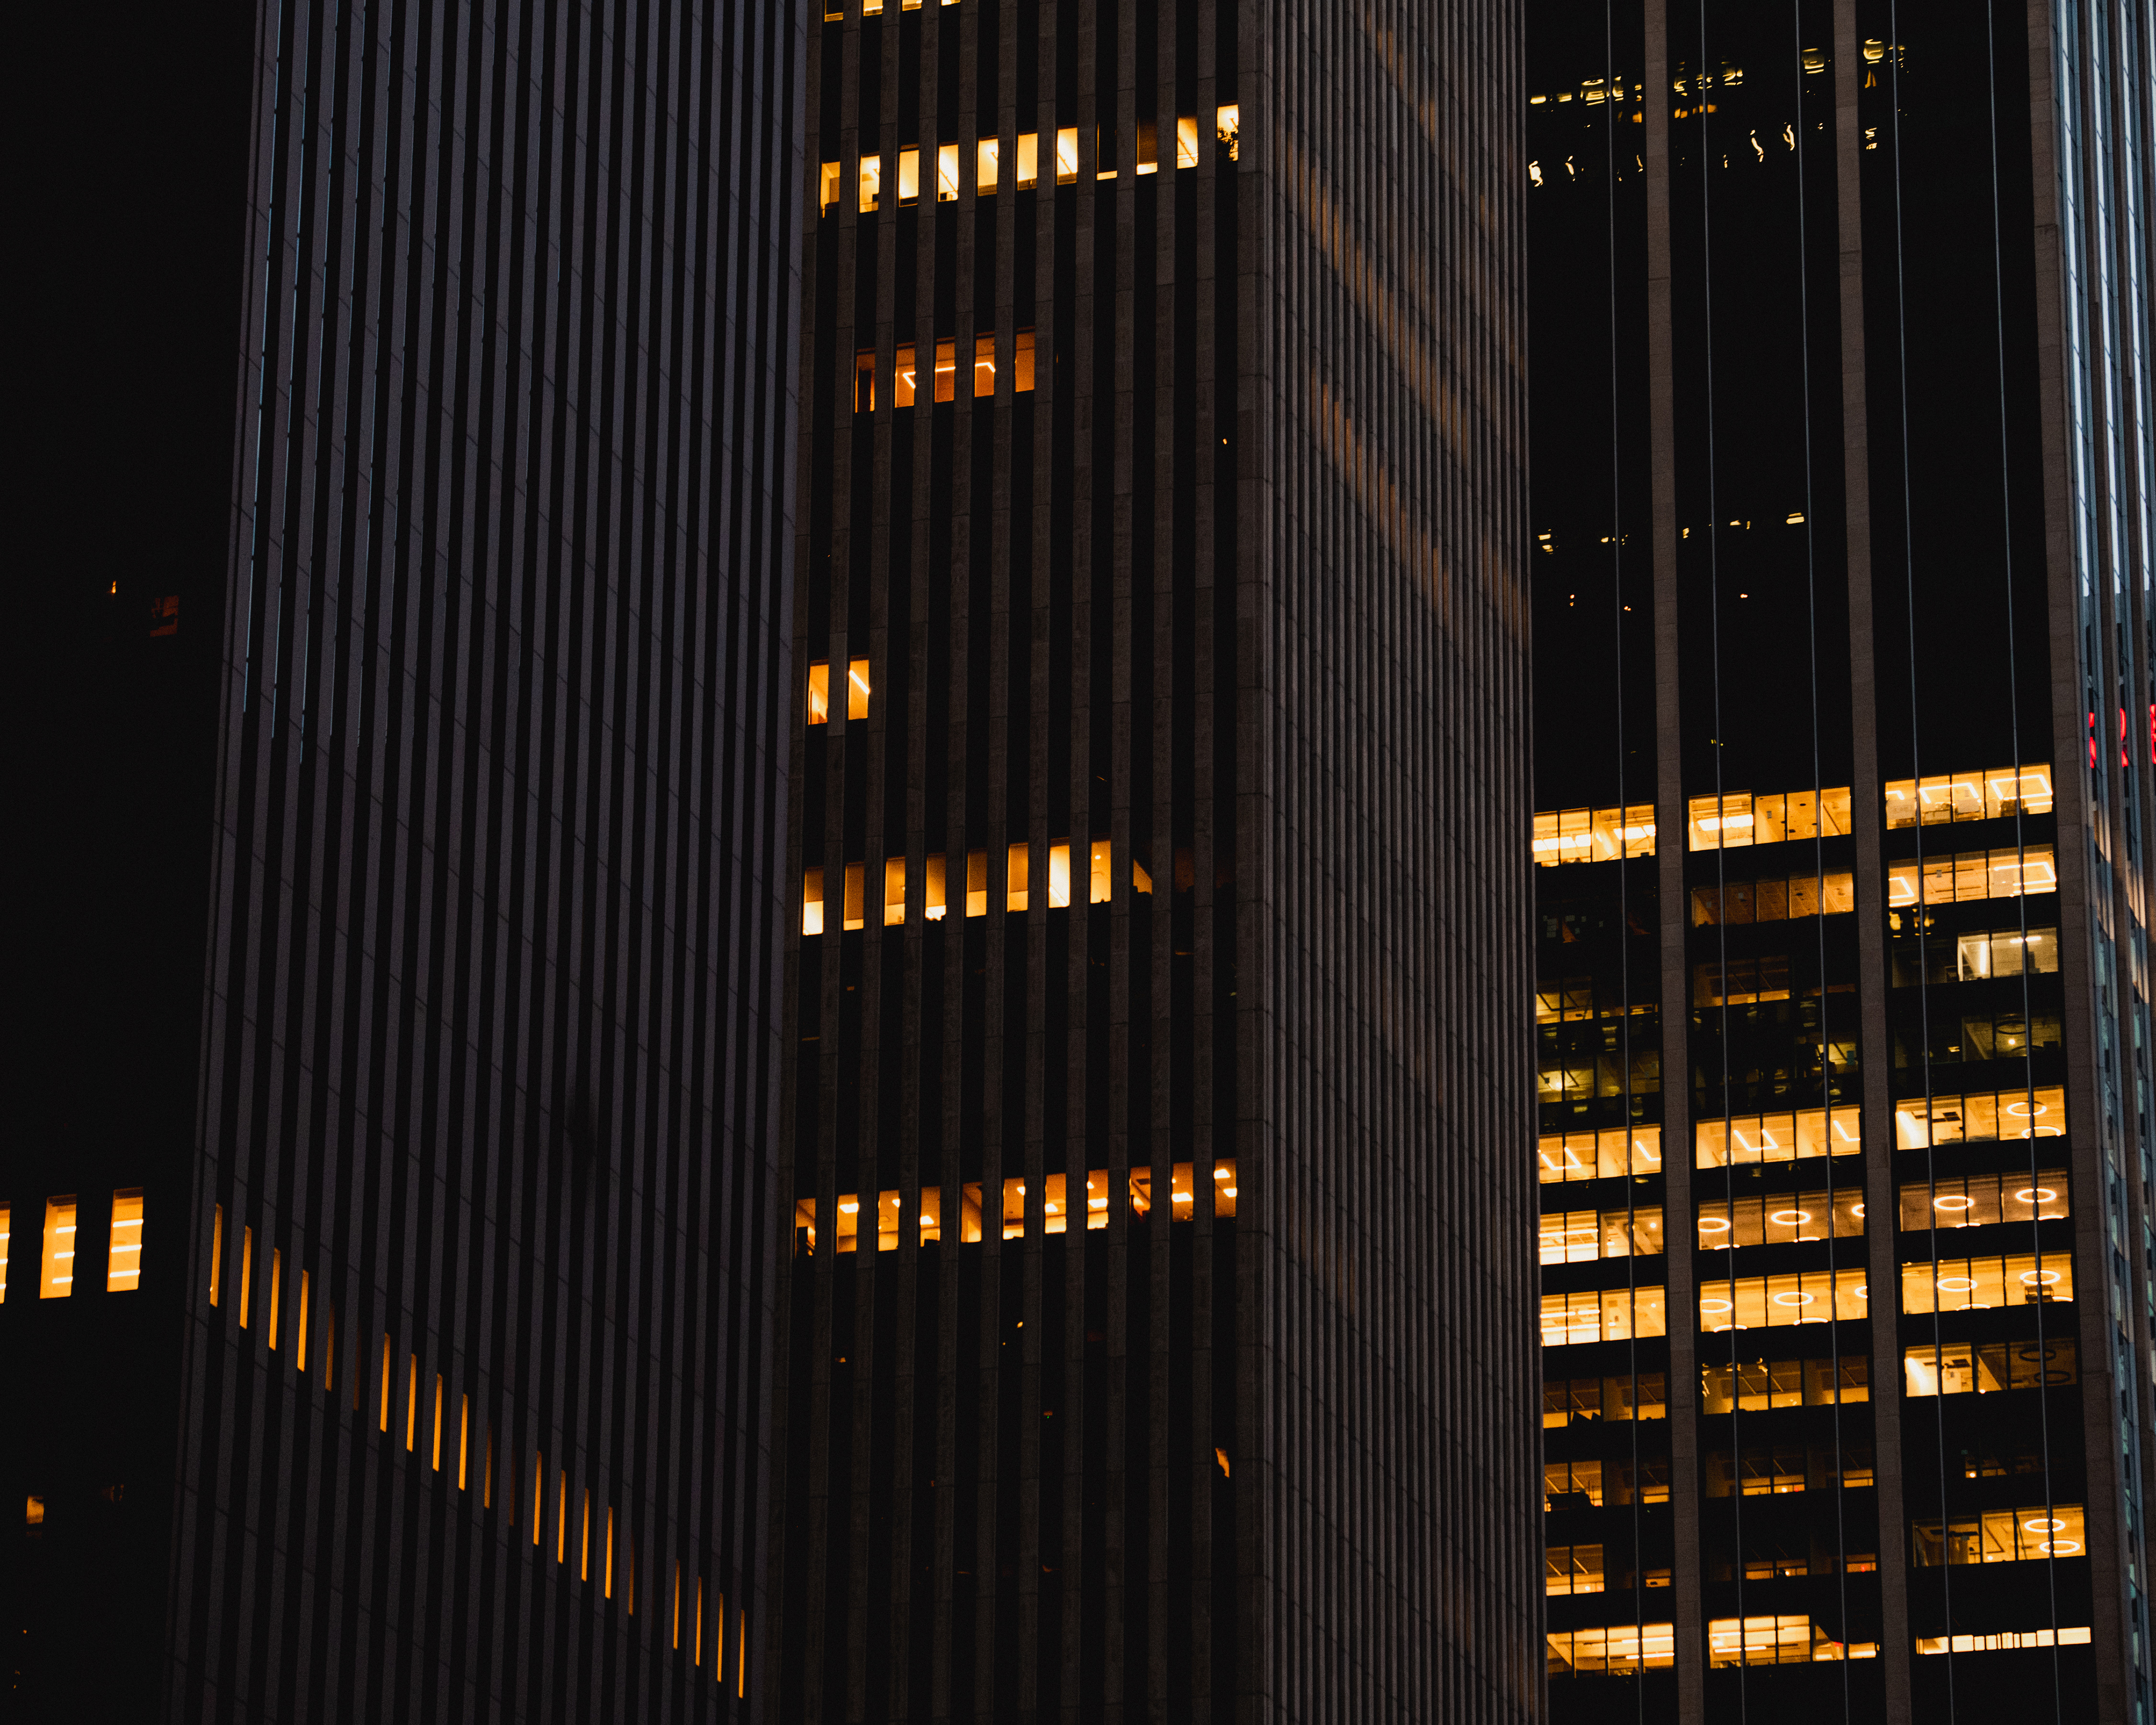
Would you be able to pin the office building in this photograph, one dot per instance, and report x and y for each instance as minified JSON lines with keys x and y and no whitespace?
{"x":1841,"y":497}
{"x":1158,"y":1333}
{"x":388,"y":1308}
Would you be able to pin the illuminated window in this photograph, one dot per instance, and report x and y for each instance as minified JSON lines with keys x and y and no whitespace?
{"x":1572,"y":1485}
{"x":1564,"y":835}
{"x":931,"y":1214}
{"x":1792,"y":1216}
{"x":1617,"y":1652}
{"x":276,"y":1297}
{"x":1104,"y":152}
{"x":857,"y":689}
{"x":984,"y":365}
{"x":903,"y":373}
{"x":819,"y":692}
{"x":812,"y":903}
{"x":894,"y":892}
{"x":984,"y":167}
{"x":1593,"y":1156}
{"x":2008,"y":872}
{"x":1777,"y":1138}
{"x":1017,"y":862}
{"x":2040,"y":1113}
{"x":908,"y":177}
{"x":1022,"y":364}
{"x":932,"y":873}
{"x":865,"y":381}
{"x":1740,"y":818}
{"x":1759,"y":1471}
{"x":855,"y":916}
{"x":1224,"y":1188}
{"x":1759,"y":1302}
{"x":246,"y":1273}
{"x":1602,"y":1315}
{"x":1029,"y":161}
{"x":871,"y":183}
{"x":1186,"y":141}
{"x":828,"y":190}
{"x":1623,"y":1397}
{"x":1066,"y":156}
{"x":1014,"y":1215}
{"x":56,"y":1277}
{"x":1228,"y":127}
{"x":2029,"y":1534}
{"x":1985,"y":1284}
{"x":804,"y":1227}
{"x":947,"y":370}
{"x":7,"y":1213}
{"x":1101,"y":880}
{"x":886,"y":1221}
{"x":1968,"y":796}
{"x":1149,"y":162}
{"x":1058,"y":876}
{"x":2005,"y":952}
{"x":216,"y":1251}
{"x":977,"y":883}
{"x":1742,"y":901}
{"x":946,"y":173}
{"x":1573,"y":1569}
{"x":1753,"y":1386}
{"x":1776,"y":1641}
{"x":300,"y":1335}
{"x":1986,"y":1367}
{"x":2002,"y":1639}
{"x":1582,"y":1236}
{"x":1972,"y":1200}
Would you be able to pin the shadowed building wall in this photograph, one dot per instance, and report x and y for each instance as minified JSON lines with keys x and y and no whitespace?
{"x":1157,"y":1338}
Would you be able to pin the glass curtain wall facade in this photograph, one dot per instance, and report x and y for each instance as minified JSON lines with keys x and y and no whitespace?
{"x":1840,"y":494}
{"x":1158,"y":1326}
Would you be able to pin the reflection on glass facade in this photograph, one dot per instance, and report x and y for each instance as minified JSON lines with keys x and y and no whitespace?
{"x":1842,"y":525}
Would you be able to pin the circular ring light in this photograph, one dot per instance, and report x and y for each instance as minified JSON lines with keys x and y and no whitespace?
{"x":1957,"y":1284}
{"x":1954,"y":1202}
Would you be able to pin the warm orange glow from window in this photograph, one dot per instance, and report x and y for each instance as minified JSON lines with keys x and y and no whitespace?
{"x":385,"y":1380}
{"x":216,"y":1250}
{"x":947,"y":370}
{"x":677,"y":1603}
{"x":276,"y":1289}
{"x":697,"y":1655}
{"x":811,"y":902}
{"x":538,"y":1493}
{"x":1017,"y":862}
{"x":854,"y":916}
{"x":819,"y":692}
{"x":246,"y":1273}
{"x":857,"y":689}
{"x":1022,"y":364}
{"x":123,"y":1271}
{"x":894,"y":892}
{"x":438,"y":1423}
{"x":932,"y":869}
{"x":562,"y":1517}
{"x":1058,"y":876}
{"x":6,"y":1214}
{"x":56,"y":1278}
{"x":984,"y":365}
{"x":584,"y":1541}
{"x":463,"y":1442}
{"x":299,"y":1346}
{"x":977,"y":883}
{"x":609,"y":1581}
{"x":411,"y":1403}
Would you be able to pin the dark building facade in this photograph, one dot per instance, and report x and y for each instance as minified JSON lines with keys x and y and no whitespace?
{"x":1157,"y":1336}
{"x":1841,"y":494}
{"x":390,"y":1253}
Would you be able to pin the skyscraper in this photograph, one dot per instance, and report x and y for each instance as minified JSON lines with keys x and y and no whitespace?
{"x":1841,"y":495}
{"x":387,"y":1319}
{"x":1158,"y":1332}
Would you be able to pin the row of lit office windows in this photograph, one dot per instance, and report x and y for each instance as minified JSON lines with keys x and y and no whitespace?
{"x":948,"y":163}
{"x":1737,"y":903}
{"x":1742,"y":817}
{"x":438,"y":1423}
{"x":1589,"y":1483}
{"x":943,"y":380}
{"x":2029,"y":1534}
{"x":1624,"y":1650}
{"x":888,"y":1225}
{"x":1014,"y":891}
{"x":1955,"y":1201}
{"x":1929,"y":1368}
{"x":1811,"y":1297}
{"x":1777,"y":1469}
{"x":61,"y":1257}
{"x":1801,"y":1134}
